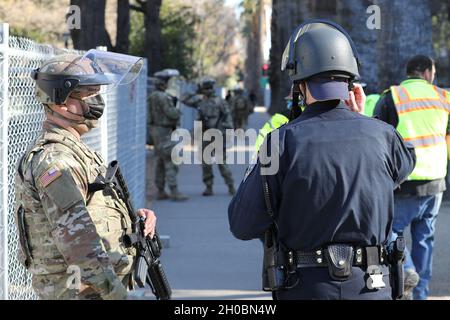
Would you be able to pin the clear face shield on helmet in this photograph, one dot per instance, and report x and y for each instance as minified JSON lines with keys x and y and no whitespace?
{"x":84,"y":76}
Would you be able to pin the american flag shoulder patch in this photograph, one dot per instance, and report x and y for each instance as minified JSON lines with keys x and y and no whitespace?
{"x":49,"y":176}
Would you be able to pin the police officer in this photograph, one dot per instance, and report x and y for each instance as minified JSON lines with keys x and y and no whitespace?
{"x":70,"y":236}
{"x":331,"y":199}
{"x":163,"y":119}
{"x":420,"y":112}
{"x":240,"y":107}
{"x":214,"y":113}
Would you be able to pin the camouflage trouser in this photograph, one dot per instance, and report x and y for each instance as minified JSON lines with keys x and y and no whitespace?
{"x":55,"y":287}
{"x":165,"y":169}
{"x":207,"y":170}
{"x":240,"y":120}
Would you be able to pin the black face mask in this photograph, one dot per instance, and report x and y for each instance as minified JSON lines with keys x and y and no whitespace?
{"x":95,"y":106}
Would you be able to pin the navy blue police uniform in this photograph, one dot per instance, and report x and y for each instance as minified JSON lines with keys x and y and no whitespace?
{"x":337,"y":173}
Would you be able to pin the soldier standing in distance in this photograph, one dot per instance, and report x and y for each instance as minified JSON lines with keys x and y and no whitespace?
{"x":240,"y":107}
{"x":214,"y":113}
{"x":70,"y":236}
{"x":164,"y":117}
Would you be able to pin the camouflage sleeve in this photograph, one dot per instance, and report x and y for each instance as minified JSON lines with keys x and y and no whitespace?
{"x":192,"y":100}
{"x":62,"y":185}
{"x":169,"y":108}
{"x":231,"y":105}
{"x":227,"y":120}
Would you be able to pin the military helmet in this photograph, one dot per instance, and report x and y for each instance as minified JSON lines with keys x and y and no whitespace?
{"x":206,"y":84}
{"x":238,"y":90}
{"x":62,"y":75}
{"x":160,"y":78}
{"x":320,"y":47}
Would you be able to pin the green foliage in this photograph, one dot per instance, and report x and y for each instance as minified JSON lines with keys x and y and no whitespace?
{"x":35,"y":35}
{"x":137,"y":34}
{"x":177,"y":28}
{"x":177,"y":32}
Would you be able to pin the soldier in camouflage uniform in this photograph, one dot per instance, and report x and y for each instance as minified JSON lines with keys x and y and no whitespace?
{"x":164,"y":117}
{"x":70,"y":236}
{"x":240,"y":107}
{"x":214,"y":113}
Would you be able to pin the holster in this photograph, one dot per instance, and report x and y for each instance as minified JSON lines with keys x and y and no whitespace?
{"x":274,"y":275}
{"x":340,"y":261}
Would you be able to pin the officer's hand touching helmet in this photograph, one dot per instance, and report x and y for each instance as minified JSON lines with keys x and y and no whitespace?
{"x":321,"y":57}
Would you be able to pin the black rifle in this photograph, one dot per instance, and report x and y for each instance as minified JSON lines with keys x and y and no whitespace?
{"x":148,"y":268}
{"x":396,"y":257}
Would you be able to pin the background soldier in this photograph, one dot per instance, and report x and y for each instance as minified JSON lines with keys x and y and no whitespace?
{"x":70,"y":235}
{"x":240,"y":107}
{"x":214,"y":113}
{"x":164,"y":118}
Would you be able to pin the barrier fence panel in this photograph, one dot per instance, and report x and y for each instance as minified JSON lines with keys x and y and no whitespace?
{"x":121,"y":135}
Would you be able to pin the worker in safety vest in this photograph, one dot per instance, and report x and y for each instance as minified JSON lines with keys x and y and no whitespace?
{"x":419,"y":111}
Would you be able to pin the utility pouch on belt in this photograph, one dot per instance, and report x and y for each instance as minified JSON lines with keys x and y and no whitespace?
{"x":23,"y":238}
{"x":340,"y":261}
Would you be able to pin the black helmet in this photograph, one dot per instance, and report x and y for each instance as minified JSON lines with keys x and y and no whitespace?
{"x":320,"y":47}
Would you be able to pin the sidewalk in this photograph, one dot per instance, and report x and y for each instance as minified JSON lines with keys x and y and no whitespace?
{"x":205,"y":261}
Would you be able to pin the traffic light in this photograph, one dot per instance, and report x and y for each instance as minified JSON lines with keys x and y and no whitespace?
{"x":265,"y":70}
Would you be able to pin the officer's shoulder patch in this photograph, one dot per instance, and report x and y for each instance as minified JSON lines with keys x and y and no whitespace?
{"x":49,"y":176}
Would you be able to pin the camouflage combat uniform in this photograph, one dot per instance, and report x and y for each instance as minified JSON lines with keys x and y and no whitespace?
{"x":163,"y":120}
{"x":67,"y":228}
{"x":214,"y":113}
{"x":240,"y":109}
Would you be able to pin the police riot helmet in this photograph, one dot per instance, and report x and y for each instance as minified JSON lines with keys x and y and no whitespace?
{"x":320,"y":47}
{"x":162,"y":77}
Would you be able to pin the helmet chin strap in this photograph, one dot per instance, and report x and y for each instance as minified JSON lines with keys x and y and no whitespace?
{"x":65,"y":118}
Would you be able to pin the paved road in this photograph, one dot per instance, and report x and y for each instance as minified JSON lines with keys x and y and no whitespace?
{"x":204,"y":261}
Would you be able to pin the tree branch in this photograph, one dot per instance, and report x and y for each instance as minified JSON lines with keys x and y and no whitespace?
{"x":136,"y":8}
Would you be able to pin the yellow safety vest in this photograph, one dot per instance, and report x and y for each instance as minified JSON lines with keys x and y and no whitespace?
{"x":371,"y":102}
{"x":275,"y":122}
{"x":423,"y":110}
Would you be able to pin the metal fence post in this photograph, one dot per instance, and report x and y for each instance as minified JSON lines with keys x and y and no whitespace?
{"x":4,"y":38}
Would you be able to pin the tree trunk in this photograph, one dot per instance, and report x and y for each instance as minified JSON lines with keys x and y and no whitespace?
{"x":153,"y":43}
{"x":93,"y":32}
{"x":254,"y":60}
{"x":405,"y":31}
{"x":286,"y":15}
{"x":352,"y":16}
{"x":123,"y":26}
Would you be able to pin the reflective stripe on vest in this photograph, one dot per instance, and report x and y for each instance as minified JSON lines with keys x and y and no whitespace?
{"x":423,"y":111}
{"x":275,"y":122}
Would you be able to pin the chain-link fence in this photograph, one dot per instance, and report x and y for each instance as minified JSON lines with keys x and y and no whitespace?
{"x":120,"y":135}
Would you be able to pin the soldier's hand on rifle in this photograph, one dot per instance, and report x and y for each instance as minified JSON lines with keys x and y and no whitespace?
{"x":150,"y":221}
